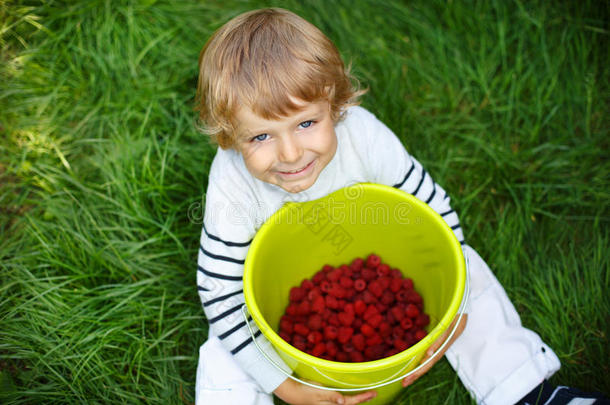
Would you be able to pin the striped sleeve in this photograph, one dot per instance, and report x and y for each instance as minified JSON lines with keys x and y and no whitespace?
{"x":418,"y":182}
{"x":225,"y":239}
{"x":391,"y":164}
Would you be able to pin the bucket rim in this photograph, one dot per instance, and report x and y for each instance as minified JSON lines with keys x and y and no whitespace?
{"x":368,"y":366}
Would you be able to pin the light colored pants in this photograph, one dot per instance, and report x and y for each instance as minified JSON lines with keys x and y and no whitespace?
{"x":497,"y":359}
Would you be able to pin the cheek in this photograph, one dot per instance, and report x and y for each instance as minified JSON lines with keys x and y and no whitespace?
{"x":330,"y":141}
{"x":257,"y":161}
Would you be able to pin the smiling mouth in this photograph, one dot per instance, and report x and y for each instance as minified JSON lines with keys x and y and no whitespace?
{"x":298,"y":170}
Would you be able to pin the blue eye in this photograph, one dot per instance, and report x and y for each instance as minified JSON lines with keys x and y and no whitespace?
{"x":260,"y":138}
{"x":306,"y":124}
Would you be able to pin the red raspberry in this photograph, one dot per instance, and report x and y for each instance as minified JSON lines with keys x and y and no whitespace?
{"x":333,"y":320}
{"x":331,"y":302}
{"x":395,"y":284}
{"x":401,"y":296}
{"x":400,"y":345}
{"x":337,"y":291}
{"x":397,"y":332}
{"x":375,"y":320}
{"x":368,"y":274}
{"x":301,"y":329}
{"x":327,"y":268}
{"x":422,"y":320}
{"x":376,"y":288}
{"x":414,"y":297}
{"x":390,"y":353}
{"x":325,"y":286}
{"x":371,"y":310}
{"x":318,"y":277}
{"x":314,"y":293}
{"x":297,"y":294}
{"x":387,"y":298}
{"x":303,"y":308}
{"x":349,"y":308}
{"x":398,"y":313}
{"x":359,"y":285}
{"x":410,"y":338}
{"x":373,"y":261}
{"x":348,"y":347}
{"x":292,"y":309}
{"x":407,"y":284}
{"x":390,"y":318}
{"x":374,"y":340}
{"x":381,"y":307}
{"x":385,"y":282}
{"x":307,"y":285}
{"x":406,"y":323}
{"x":357,"y":323}
{"x":315,"y":322}
{"x":359,"y":307}
{"x":412,"y":311}
{"x":357,"y":264}
{"x":318,"y":349}
{"x":330,"y":332}
{"x":299,"y":342}
{"x":367,"y":330}
{"x":420,"y":334}
{"x":314,"y":337}
{"x":383,"y":270}
{"x":286,"y":325}
{"x":345,"y":318}
{"x":346,"y":282}
{"x":356,"y":357}
{"x":334,"y":275}
{"x":286,"y":336}
{"x":395,"y":273}
{"x":385,"y":329}
{"x":373,"y":352}
{"x":318,"y":305}
{"x":331,"y":348}
{"x":368,"y":297}
{"x":358,"y":341}
{"x":347,"y":271}
{"x":345,"y":334}
{"x":342,"y":357}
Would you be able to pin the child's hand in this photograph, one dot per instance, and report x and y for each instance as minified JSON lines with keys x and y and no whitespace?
{"x":437,"y":343}
{"x":296,"y":393}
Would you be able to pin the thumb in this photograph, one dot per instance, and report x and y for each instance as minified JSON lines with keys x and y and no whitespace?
{"x":338,"y":399}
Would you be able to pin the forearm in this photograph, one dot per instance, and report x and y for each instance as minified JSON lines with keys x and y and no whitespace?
{"x":220,"y":286}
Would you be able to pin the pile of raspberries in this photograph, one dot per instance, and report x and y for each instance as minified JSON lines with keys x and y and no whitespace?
{"x":359,"y":312}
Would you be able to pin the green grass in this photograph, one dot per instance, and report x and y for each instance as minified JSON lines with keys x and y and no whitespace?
{"x":102,"y":176}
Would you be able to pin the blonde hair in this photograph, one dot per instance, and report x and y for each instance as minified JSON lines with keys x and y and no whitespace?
{"x":261,"y":60}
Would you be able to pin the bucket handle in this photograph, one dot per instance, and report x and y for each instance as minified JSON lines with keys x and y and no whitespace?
{"x":244,"y":311}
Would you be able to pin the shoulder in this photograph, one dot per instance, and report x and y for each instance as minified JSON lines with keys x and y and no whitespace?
{"x":363,"y":128}
{"x":229,"y":198}
{"x":228,"y":178}
{"x":357,"y":115}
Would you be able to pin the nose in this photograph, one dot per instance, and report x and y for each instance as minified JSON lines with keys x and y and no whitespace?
{"x":290,"y":149}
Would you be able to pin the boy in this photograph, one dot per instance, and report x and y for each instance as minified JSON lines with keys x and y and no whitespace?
{"x":275,"y":96}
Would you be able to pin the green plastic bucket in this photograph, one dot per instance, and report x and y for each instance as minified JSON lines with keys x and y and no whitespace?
{"x":296,"y":241}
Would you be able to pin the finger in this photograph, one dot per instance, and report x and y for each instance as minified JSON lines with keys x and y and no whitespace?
{"x":432,"y":350}
{"x":411,"y":378}
{"x":438,"y":342}
{"x":359,"y":398}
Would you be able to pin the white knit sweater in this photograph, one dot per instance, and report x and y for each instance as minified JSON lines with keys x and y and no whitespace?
{"x":237,"y":204}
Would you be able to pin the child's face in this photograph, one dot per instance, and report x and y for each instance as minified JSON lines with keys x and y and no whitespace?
{"x":291,"y":151}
